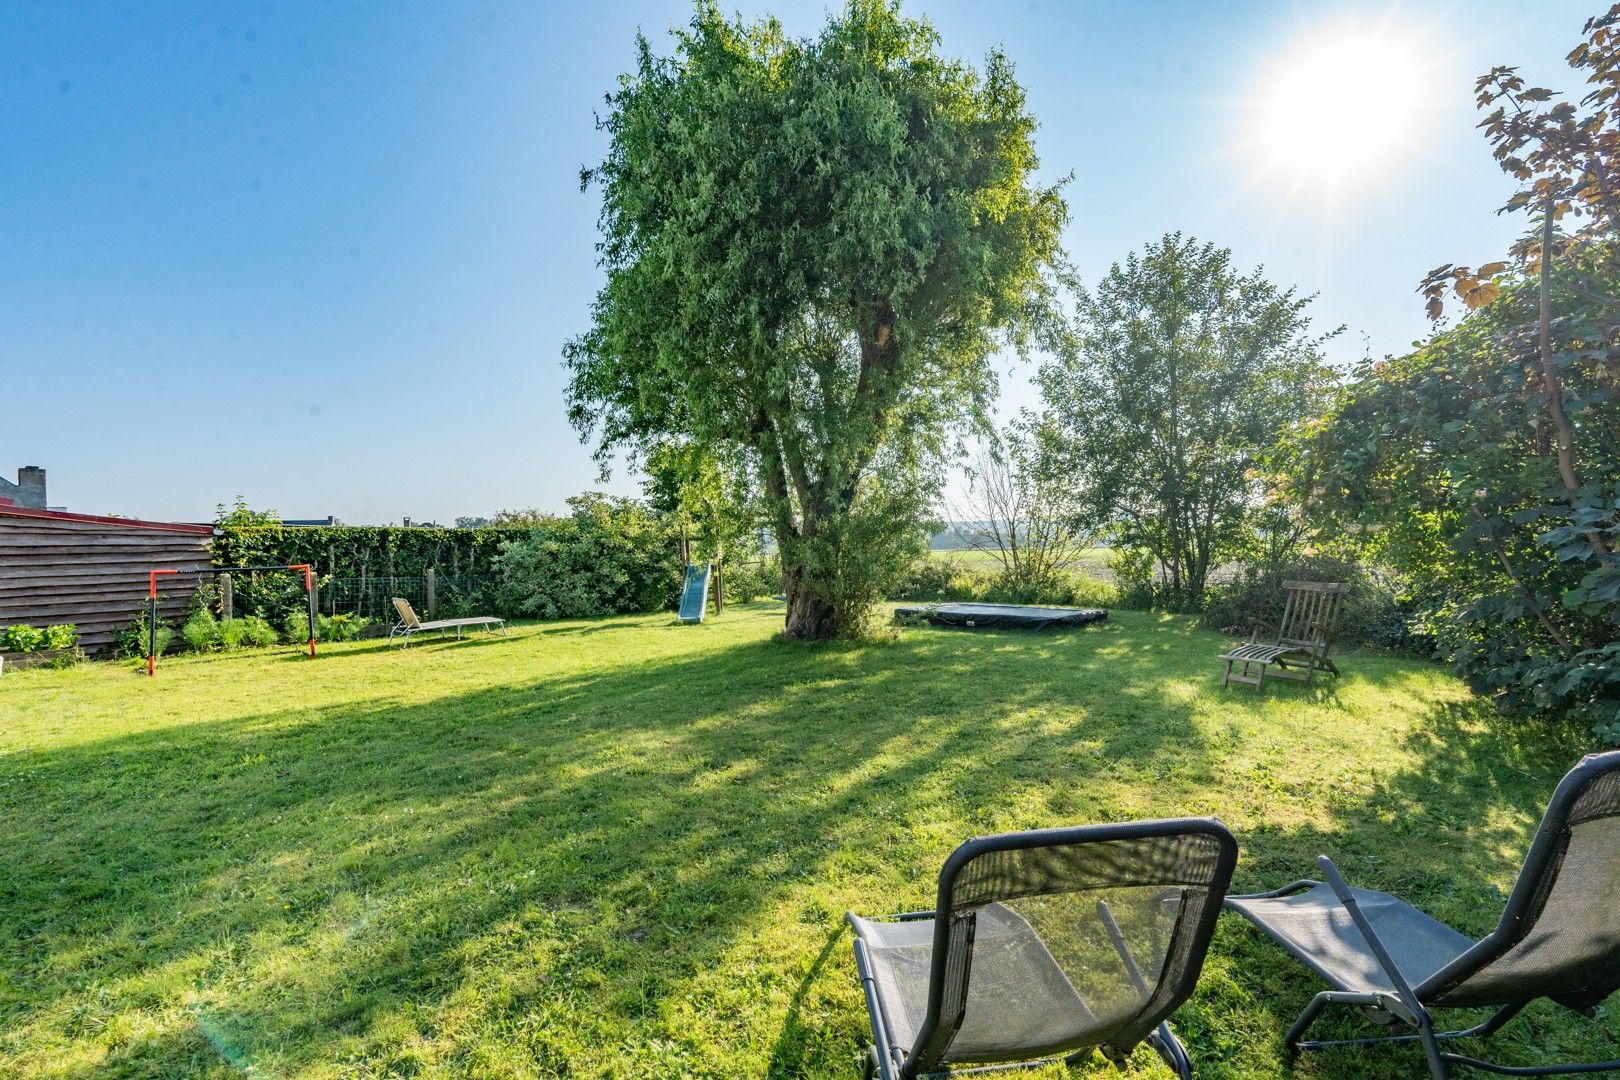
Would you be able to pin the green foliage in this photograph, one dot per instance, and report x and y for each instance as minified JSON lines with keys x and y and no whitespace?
{"x":255,"y":631}
{"x":1180,"y":375}
{"x":1372,"y":613}
{"x":753,"y":580}
{"x":201,"y":631}
{"x":131,"y":641}
{"x":344,"y":626}
{"x":1490,"y":451}
{"x":813,"y":248}
{"x":61,"y":636}
{"x":340,"y":627}
{"x":295,"y":628}
{"x":464,"y":558}
{"x":609,"y":556}
{"x":1439,"y":463}
{"x":934,"y":580}
{"x":22,"y":638}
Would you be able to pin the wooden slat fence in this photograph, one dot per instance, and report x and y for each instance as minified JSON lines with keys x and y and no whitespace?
{"x":92,"y":571}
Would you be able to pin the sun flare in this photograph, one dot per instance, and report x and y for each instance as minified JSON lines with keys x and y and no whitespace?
{"x":1345,"y":106}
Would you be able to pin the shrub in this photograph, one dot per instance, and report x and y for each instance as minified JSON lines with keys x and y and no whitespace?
{"x":61,"y":636}
{"x":22,"y":638}
{"x":1372,"y":612}
{"x":295,"y":626}
{"x":340,"y":627}
{"x":256,"y":631}
{"x":231,"y":633}
{"x":751,"y":580}
{"x":611,"y":556}
{"x":343,"y":626}
{"x":201,"y":631}
{"x":934,"y":580}
{"x":131,"y":641}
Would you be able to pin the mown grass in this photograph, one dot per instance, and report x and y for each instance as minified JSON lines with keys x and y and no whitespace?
{"x":624,"y":848}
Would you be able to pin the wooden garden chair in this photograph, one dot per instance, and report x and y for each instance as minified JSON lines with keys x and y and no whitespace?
{"x":1299,"y":647}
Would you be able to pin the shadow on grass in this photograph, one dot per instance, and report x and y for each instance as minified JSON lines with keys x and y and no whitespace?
{"x":1446,"y":833}
{"x":565,"y":859}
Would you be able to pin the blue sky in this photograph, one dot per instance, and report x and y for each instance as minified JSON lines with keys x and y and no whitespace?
{"x":325,"y":255}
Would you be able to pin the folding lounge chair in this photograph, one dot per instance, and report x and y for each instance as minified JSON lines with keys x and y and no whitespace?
{"x":1559,"y":937}
{"x":1045,"y":944}
{"x":409,"y":624}
{"x":1301,"y":642}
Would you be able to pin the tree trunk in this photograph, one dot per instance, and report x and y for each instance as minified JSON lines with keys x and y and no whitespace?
{"x":809,"y":616}
{"x":1555,"y":383}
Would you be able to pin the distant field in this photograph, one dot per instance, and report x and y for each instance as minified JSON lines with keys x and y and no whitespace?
{"x":1093,"y":561}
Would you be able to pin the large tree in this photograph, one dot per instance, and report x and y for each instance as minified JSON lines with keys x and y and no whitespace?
{"x":813,"y":247}
{"x":1181,"y":373}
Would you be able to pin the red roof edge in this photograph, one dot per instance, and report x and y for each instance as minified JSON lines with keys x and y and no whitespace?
{"x":8,"y":510}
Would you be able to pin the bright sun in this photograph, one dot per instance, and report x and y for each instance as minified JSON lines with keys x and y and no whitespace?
{"x":1345,"y":107}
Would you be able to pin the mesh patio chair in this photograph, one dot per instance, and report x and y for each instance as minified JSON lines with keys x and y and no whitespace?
{"x":1045,"y":944}
{"x":1559,"y":937}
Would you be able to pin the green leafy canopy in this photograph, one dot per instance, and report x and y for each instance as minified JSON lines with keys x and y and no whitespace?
{"x":813,"y":247}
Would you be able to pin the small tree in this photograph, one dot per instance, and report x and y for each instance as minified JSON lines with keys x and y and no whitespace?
{"x":1180,"y":375}
{"x":813,"y":248}
{"x":706,"y":501}
{"x":1565,"y":157}
{"x":1021,"y":510}
{"x":1483,"y":464}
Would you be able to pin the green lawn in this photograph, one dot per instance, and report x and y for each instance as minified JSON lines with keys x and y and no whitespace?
{"x":625,"y":847}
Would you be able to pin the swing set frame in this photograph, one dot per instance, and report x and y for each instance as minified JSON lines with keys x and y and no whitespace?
{"x":152,"y":599}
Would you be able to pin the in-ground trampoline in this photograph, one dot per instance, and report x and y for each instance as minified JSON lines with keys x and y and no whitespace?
{"x":1002,"y":616}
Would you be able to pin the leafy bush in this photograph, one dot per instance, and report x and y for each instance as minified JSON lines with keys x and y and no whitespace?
{"x":232,"y":633}
{"x":201,"y":631}
{"x":256,"y":631}
{"x":131,"y":641}
{"x":1372,"y":611}
{"x":295,"y":626}
{"x":747,"y":581}
{"x":340,"y":627}
{"x":22,"y":638}
{"x":610,"y":556}
{"x":934,"y":580}
{"x":343,"y":626}
{"x":61,"y":636}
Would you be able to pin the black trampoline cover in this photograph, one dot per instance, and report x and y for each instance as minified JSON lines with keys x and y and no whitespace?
{"x":1000,"y":616}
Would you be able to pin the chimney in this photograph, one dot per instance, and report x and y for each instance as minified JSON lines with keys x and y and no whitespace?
{"x":31,"y":487}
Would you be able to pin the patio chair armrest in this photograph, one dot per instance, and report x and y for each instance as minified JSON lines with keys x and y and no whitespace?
{"x":1287,"y":890}
{"x":1257,"y":625}
{"x":912,"y":916}
{"x":1403,"y":990}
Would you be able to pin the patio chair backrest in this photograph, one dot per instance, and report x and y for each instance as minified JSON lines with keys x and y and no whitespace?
{"x":406,"y":614}
{"x":1559,"y":936}
{"x":1311,"y":613}
{"x":1028,"y":902}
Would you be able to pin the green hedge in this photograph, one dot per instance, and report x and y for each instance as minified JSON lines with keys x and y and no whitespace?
{"x":366,"y":550}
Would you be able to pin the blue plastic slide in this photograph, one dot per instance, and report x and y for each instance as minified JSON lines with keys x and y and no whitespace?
{"x":695,"y":595}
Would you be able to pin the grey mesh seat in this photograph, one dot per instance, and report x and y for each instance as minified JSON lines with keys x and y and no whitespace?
{"x":1044,"y":944}
{"x":1558,"y":938}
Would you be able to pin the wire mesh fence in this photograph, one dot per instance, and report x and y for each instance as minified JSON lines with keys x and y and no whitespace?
{"x":440,"y":596}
